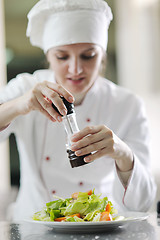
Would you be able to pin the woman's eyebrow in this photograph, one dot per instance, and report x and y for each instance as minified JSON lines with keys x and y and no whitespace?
{"x":87,"y":50}
{"x":65,"y":51}
{"x":59,"y":50}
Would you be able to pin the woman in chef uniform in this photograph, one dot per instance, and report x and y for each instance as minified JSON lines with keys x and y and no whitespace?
{"x":73,"y":35}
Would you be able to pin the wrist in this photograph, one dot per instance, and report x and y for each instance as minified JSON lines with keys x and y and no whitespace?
{"x":15,"y":108}
{"x":23,"y":105}
{"x":8,"y":112}
{"x":126,"y":163}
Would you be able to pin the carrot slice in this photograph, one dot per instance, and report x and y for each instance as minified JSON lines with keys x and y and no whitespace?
{"x":89,"y":192}
{"x":108,"y":208}
{"x":105,"y":216}
{"x":63,"y":218}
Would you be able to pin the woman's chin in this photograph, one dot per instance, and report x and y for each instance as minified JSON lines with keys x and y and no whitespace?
{"x":76,"y":90}
{"x":79,"y":98}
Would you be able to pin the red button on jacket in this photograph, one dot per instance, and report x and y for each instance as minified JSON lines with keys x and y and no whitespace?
{"x":81,"y":183}
{"x":88,"y":119}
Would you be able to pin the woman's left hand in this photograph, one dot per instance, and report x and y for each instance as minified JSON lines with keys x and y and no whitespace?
{"x":101,"y":141}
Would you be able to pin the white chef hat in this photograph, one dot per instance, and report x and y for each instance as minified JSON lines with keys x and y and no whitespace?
{"x":53,"y":23}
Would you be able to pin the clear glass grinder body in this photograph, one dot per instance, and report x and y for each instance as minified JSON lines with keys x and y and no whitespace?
{"x":71,"y":127}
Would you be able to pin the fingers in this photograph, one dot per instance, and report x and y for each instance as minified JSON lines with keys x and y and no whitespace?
{"x":54,"y":98}
{"x":46,"y":108}
{"x":85,"y":132}
{"x":61,"y":91}
{"x":89,"y":133}
{"x":95,"y":147}
{"x":35,"y":105}
{"x":89,"y":142}
{"x":43,"y":111}
{"x":96,"y":140}
{"x":47,"y":93}
{"x":95,"y":155}
{"x":101,"y":141}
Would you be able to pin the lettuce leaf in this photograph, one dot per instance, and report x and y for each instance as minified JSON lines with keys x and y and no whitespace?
{"x":88,"y":206}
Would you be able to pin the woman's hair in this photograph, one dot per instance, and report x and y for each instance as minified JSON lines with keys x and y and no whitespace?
{"x":103,"y":64}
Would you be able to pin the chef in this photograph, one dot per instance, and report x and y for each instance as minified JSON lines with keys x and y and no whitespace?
{"x":112,"y":121}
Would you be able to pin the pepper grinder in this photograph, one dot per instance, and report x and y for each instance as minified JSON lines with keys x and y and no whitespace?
{"x":71,"y":127}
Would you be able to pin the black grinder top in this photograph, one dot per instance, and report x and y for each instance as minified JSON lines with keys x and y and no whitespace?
{"x":69,"y":106}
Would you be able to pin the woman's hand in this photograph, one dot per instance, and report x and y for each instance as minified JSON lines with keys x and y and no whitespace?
{"x":101,"y":141}
{"x":41,"y":98}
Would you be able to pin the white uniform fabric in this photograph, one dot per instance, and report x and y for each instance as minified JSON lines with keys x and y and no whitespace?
{"x":44,"y":165}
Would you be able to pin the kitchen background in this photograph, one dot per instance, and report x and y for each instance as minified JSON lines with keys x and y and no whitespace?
{"x":133,"y":61}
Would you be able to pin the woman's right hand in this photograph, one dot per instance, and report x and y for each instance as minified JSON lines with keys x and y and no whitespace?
{"x":41,"y":98}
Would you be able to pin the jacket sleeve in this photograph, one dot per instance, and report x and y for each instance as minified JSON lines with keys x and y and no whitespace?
{"x":15,"y":88}
{"x":5,"y":133}
{"x":140,"y":190}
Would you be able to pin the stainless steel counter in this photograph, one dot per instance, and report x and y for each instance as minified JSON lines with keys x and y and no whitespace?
{"x":144,"y":230}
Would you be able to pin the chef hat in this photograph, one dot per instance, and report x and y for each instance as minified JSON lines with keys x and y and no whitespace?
{"x":53,"y":23}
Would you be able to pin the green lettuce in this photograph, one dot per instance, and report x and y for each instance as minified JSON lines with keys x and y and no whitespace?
{"x":88,"y":206}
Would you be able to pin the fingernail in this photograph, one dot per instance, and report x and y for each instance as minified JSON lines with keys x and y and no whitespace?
{"x":71,"y":99}
{"x":87,"y":159}
{"x":73,"y":137}
{"x":64,"y":112}
{"x":78,"y":152}
{"x":73,"y":147}
{"x":59,"y":119}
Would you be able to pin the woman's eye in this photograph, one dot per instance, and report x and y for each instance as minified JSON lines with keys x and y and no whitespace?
{"x":62,"y":57}
{"x":88,"y":57}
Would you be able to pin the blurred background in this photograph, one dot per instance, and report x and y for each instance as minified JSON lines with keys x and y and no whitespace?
{"x":133,"y":61}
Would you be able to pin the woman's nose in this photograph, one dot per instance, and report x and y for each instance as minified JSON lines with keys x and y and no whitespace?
{"x":75,"y":66}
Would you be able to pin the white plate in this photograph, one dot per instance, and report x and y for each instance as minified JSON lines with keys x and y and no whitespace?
{"x":91,"y":227}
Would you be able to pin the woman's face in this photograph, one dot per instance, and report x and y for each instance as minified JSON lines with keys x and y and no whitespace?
{"x":76,"y":66}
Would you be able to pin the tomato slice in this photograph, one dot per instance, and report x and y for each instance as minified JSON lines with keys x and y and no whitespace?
{"x":105,"y":216}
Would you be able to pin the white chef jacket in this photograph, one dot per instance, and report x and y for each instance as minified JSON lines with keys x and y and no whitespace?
{"x":44,"y":165}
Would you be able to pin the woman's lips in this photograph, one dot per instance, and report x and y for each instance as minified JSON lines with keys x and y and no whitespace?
{"x":76,"y":81}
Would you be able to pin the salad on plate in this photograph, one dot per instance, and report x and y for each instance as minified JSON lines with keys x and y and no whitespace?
{"x":80,"y":207}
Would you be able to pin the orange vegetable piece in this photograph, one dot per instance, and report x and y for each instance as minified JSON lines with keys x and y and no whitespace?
{"x":108,"y":208}
{"x":89,"y":192}
{"x":75,"y":195}
{"x":105,"y":216}
{"x":63,"y":218}
{"x":60,"y":219}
